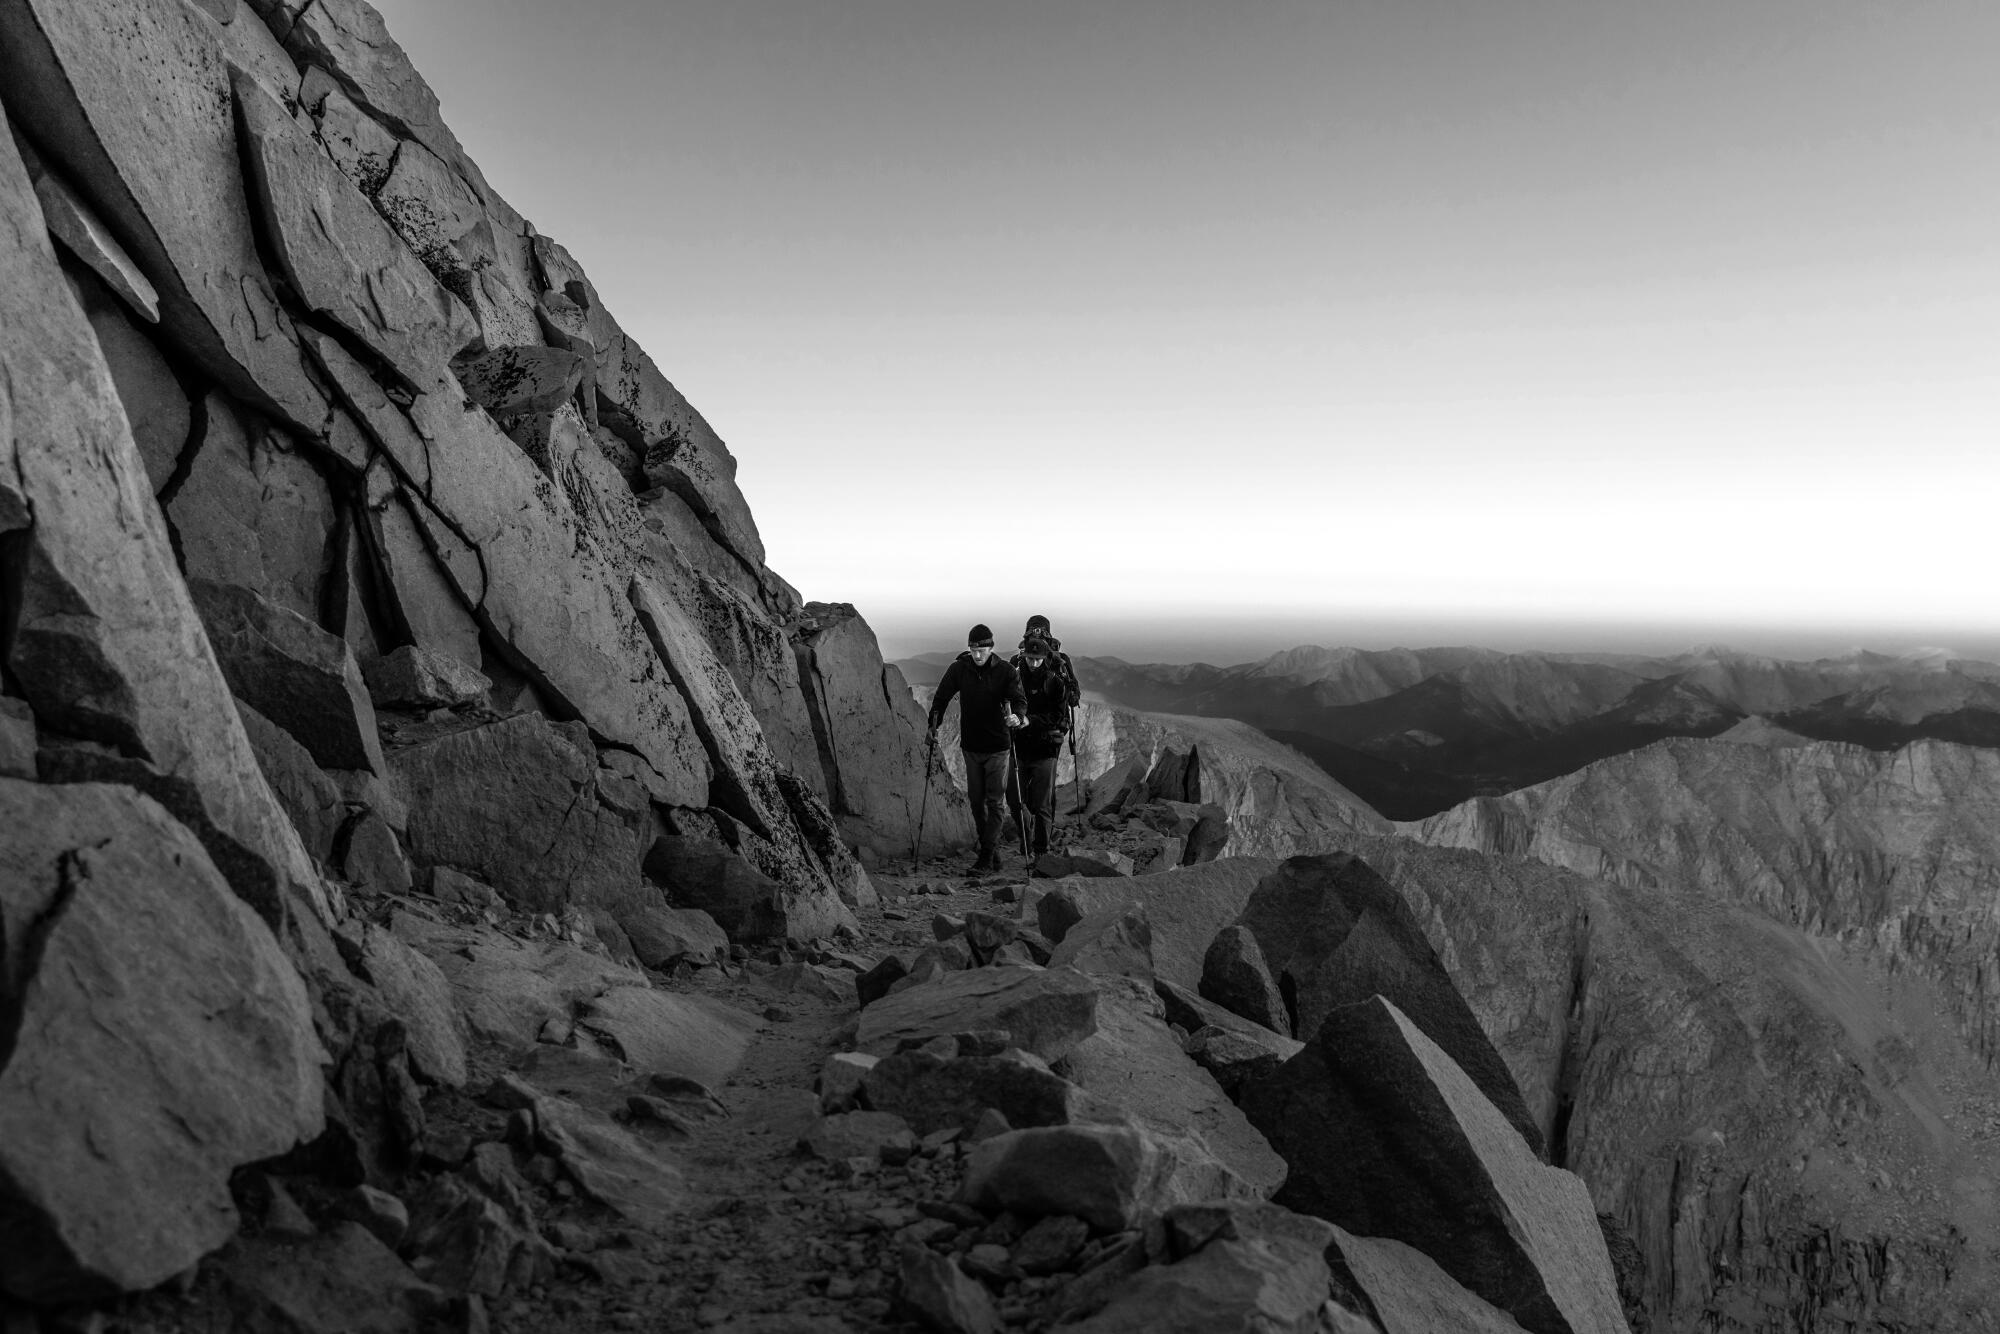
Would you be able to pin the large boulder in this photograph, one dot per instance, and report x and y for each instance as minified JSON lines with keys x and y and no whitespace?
{"x":1386,"y":1136}
{"x":158,"y":1039}
{"x":871,"y":736}
{"x":1333,"y":933}
{"x":1044,"y":1011}
{"x":104,"y":643}
{"x":515,"y":802}
{"x":133,"y":100}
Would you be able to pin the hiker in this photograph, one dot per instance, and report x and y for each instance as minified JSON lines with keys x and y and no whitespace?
{"x":1039,"y":625}
{"x":990,"y":707}
{"x":1038,"y":745}
{"x":1072,"y":696}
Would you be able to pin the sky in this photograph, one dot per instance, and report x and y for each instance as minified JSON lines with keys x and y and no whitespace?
{"x":1352,"y":321}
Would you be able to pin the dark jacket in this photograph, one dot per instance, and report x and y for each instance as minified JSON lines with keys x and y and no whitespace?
{"x":985,"y":694}
{"x":1062,"y":662}
{"x":1048,"y":709}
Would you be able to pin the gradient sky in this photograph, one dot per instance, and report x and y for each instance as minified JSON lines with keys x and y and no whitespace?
{"x":1416,"y":314}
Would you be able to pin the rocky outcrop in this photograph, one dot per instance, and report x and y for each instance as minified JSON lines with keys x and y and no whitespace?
{"x":871,"y":733}
{"x":1333,"y":933}
{"x":1387,"y":1137}
{"x":104,"y":641}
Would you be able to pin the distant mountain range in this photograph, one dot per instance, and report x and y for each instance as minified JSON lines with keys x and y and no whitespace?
{"x":1416,"y":731}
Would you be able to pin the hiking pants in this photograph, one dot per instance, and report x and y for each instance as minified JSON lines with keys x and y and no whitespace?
{"x":986,"y":789}
{"x":1038,"y":791}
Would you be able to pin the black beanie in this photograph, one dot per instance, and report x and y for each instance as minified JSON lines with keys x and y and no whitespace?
{"x":1034,"y":646}
{"x":1040,"y":623}
{"x":979,"y":634}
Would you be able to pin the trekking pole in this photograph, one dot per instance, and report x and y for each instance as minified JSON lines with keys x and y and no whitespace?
{"x":1021,"y":816}
{"x":930,"y":751}
{"x":1076,"y":765}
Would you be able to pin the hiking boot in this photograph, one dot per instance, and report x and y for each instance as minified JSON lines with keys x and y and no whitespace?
{"x":985,"y":865}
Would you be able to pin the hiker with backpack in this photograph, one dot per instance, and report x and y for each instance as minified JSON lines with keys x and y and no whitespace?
{"x":1038,"y":745}
{"x":991,"y":706}
{"x":1039,"y":625}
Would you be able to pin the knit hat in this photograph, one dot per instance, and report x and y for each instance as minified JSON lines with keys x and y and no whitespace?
{"x":979,"y":635}
{"x":1034,"y":646}
{"x":1038,"y":625}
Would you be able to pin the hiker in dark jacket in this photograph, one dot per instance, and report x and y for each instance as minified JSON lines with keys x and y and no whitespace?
{"x":1038,"y":745}
{"x":990,"y":707}
{"x":1039,"y":625}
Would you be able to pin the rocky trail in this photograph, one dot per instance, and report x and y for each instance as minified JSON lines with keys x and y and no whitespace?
{"x":748,"y":1213}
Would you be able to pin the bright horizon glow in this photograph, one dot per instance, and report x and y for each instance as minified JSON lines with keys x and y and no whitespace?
{"x":1543,"y":313}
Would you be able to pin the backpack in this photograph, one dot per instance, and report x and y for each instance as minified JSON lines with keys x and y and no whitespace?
{"x":1072,"y":693}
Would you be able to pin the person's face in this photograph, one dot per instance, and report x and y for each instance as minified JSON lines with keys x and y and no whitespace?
{"x":1035,"y":661}
{"x":980,"y":653}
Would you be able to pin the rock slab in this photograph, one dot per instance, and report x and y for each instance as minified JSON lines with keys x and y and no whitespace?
{"x":1387,"y":1137}
{"x":158,"y":1040}
{"x":1334,"y":933}
{"x":1044,"y":1011}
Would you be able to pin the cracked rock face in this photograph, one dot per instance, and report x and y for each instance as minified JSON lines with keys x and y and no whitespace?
{"x":107,"y":645}
{"x":135,"y":100}
{"x":342,"y":259}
